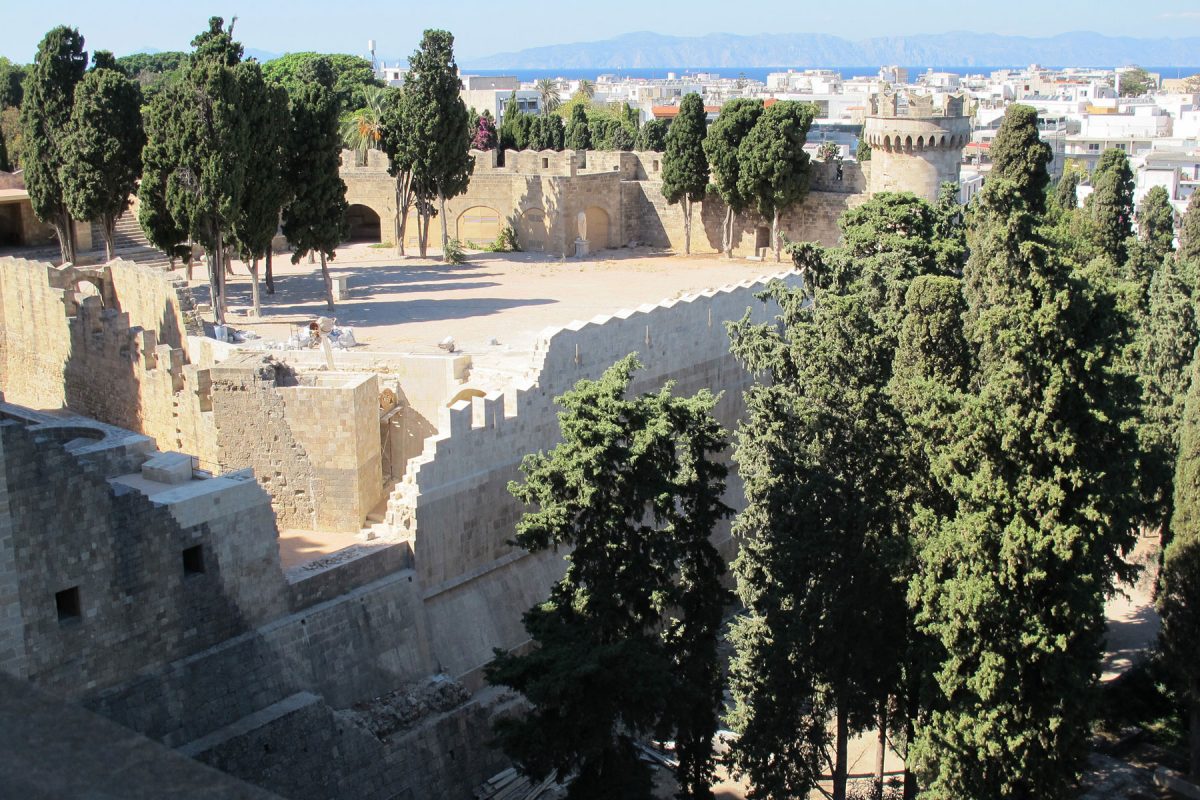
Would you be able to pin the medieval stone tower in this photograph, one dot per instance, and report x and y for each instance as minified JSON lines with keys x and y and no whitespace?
{"x":915,"y":146}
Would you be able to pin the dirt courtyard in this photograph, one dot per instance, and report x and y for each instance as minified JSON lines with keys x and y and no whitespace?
{"x":410,"y":304}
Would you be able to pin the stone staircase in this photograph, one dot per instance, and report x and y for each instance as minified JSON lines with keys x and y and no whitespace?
{"x":129,"y":242}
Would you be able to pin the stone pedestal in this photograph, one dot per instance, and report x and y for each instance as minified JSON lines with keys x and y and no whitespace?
{"x":581,"y":248}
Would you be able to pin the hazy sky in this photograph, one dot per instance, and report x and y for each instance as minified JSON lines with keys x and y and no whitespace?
{"x":484,"y":28}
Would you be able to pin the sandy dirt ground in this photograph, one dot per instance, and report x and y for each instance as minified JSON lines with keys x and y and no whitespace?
{"x":408,"y":305}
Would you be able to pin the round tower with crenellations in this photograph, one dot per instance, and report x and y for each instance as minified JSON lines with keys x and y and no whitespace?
{"x":915,"y":146}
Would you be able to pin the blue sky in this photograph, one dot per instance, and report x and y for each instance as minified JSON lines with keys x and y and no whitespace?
{"x":484,"y":28}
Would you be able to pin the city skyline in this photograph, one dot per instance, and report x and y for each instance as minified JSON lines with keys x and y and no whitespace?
{"x":481,"y":32}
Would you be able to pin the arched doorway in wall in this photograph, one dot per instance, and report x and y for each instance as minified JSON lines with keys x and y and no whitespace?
{"x":362,"y":223}
{"x":478,"y":225}
{"x":531,"y":233}
{"x":597,"y":227}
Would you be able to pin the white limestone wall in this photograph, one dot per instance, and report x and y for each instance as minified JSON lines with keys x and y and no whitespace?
{"x":454,"y":499}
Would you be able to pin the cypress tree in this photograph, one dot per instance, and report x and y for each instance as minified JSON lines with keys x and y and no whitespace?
{"x":652,"y":136}
{"x":1110,"y":204}
{"x":160,"y":156}
{"x":1167,"y":341}
{"x":624,"y":648}
{"x":1011,"y":586}
{"x":193,"y":165}
{"x":1156,"y":221}
{"x":817,"y":643}
{"x":441,"y":128}
{"x":45,"y":117}
{"x":579,"y":135}
{"x":398,"y":140}
{"x":258,"y":217}
{"x":103,"y":150}
{"x":1189,"y":234}
{"x":737,"y":118}
{"x":1020,"y":156}
{"x":4,"y":165}
{"x":315,"y":217}
{"x":556,"y":134}
{"x":685,"y":167}
{"x":774,"y":169}
{"x":1179,"y":593}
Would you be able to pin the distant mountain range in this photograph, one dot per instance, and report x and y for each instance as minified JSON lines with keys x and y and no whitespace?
{"x":959,"y":49}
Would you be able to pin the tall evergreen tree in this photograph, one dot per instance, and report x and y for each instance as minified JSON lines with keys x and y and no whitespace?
{"x":1020,"y":156}
{"x":258,"y":216}
{"x":193,"y":165}
{"x":162,"y":118}
{"x":1179,"y":595}
{"x":930,"y":373}
{"x":1155,"y":241}
{"x":1189,"y":234}
{"x":579,"y":135}
{"x":652,"y":135}
{"x":737,"y":118}
{"x":398,"y":140}
{"x":49,"y":91}
{"x":774,"y":169}
{"x":621,"y":642}
{"x":1168,"y":335}
{"x":685,"y":167}
{"x":5,"y":166}
{"x":102,"y":150}
{"x":314,"y":219}
{"x":1156,"y":221}
{"x":556,"y":133}
{"x":441,"y":124}
{"x":816,"y":453}
{"x":1011,"y":586}
{"x":1110,"y":204}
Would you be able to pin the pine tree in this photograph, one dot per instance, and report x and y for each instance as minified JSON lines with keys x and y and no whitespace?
{"x":685,"y":167}
{"x":774,"y":169}
{"x":45,"y":119}
{"x":102,"y":150}
{"x":315,"y":217}
{"x":736,"y":120}
{"x":1110,"y":204}
{"x":1179,"y":595}
{"x":624,"y":648}
{"x":579,"y":136}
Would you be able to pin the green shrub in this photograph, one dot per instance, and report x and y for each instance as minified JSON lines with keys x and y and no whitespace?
{"x":506,"y":242}
{"x":454,"y":252}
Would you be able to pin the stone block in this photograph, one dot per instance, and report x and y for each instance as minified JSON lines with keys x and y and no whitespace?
{"x":168,"y":468}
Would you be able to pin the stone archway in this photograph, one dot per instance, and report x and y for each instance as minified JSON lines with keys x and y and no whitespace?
{"x":363,"y":224}
{"x":596,"y":219}
{"x":478,"y":225}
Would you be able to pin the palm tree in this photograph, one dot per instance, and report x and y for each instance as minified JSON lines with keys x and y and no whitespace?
{"x":587,"y":88}
{"x":362,"y":129}
{"x":548,"y":89}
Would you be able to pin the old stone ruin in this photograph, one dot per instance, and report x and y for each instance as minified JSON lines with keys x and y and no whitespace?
{"x":146,"y":475}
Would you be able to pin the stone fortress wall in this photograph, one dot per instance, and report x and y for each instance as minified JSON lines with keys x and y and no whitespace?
{"x":609,"y":199}
{"x":244,"y":666}
{"x":316,"y":681}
